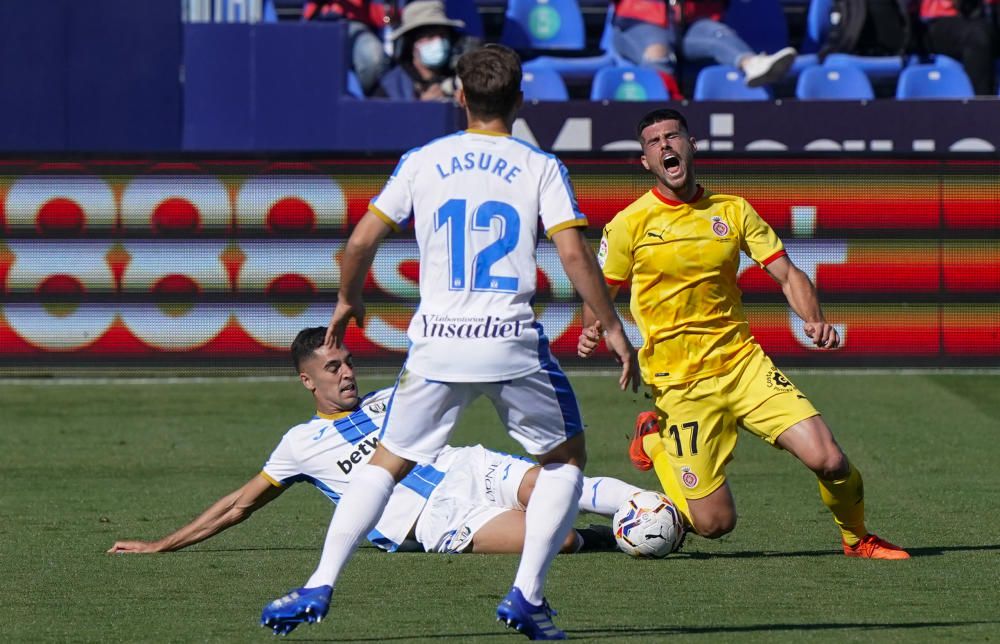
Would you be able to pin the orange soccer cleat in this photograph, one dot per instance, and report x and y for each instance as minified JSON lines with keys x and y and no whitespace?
{"x":645,"y":423}
{"x":872,"y":547}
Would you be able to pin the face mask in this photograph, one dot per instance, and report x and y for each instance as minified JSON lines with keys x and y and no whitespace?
{"x":434,"y":53}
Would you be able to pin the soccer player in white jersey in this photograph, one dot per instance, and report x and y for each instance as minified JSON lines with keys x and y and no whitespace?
{"x":475,"y":199}
{"x":470,"y":499}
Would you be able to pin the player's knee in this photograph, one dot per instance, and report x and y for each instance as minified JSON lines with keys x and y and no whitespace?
{"x":712,"y":525}
{"x":573,"y":451}
{"x":716,"y":527}
{"x":832,"y":465}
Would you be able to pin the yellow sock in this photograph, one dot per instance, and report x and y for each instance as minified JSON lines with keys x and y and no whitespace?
{"x":665,"y":472}
{"x":846,"y":499}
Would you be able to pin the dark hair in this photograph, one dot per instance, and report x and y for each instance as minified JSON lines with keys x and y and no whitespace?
{"x":662,"y":114}
{"x":306,"y":343}
{"x":491,"y":79}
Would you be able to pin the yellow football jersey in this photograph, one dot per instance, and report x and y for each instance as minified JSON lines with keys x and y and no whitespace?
{"x":682,"y":260}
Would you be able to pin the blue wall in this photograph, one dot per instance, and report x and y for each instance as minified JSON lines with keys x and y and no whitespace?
{"x":121,"y":76}
{"x":282,"y":87}
{"x":95,"y":75}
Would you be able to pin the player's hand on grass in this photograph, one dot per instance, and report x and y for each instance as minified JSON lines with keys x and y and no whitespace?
{"x":823,"y":334}
{"x":299,"y":605}
{"x":590,"y":337}
{"x":122,"y":547}
{"x":343,"y":313}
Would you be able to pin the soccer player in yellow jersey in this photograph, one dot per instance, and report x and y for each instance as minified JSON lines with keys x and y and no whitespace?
{"x":679,"y":246}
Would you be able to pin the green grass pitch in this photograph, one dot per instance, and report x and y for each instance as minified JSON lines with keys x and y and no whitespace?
{"x":84,"y":464}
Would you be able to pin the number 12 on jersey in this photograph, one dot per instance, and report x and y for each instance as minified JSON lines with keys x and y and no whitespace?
{"x":453,"y":216}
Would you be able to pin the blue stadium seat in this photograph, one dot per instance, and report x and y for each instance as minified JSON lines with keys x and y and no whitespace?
{"x":933,"y":81}
{"x":543,"y":84}
{"x":628,"y":84}
{"x":817,"y":28}
{"x":725,"y":83}
{"x":801,"y":62}
{"x":817,"y":25}
{"x":761,"y":23}
{"x":607,"y":43}
{"x":543,"y":24}
{"x":540,"y":25}
{"x":829,"y":82}
{"x":934,"y":59}
{"x":874,"y":66}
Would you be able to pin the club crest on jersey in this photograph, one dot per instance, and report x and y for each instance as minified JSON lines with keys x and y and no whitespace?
{"x":719,"y":227}
{"x":777,"y":379}
{"x":689,"y":478}
{"x":377,"y":408}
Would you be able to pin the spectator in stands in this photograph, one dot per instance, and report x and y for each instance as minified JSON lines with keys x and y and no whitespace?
{"x":961,"y":29}
{"x":365,"y":21}
{"x":649,"y":32}
{"x":425,"y":42}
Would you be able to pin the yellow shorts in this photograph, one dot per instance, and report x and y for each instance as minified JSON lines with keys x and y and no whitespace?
{"x":698,"y":420}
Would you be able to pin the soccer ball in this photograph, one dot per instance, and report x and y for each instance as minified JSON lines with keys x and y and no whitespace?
{"x":648,"y":525}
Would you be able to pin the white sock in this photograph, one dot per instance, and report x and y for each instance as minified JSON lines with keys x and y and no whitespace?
{"x":549,"y":516}
{"x":604,"y":495}
{"x":356,"y":514}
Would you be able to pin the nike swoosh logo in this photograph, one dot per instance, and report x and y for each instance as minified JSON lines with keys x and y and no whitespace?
{"x":800,"y":396}
{"x":660,"y":236}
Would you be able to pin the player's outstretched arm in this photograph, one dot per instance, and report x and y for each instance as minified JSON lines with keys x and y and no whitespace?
{"x":227,"y":511}
{"x":359,"y":253}
{"x":802,"y":297}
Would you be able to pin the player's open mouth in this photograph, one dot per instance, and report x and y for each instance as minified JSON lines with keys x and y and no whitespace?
{"x":349,"y":388}
{"x":671,"y":164}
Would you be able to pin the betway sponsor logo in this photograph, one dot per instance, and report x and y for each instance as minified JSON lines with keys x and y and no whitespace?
{"x":443,"y":326}
{"x":365,"y":449}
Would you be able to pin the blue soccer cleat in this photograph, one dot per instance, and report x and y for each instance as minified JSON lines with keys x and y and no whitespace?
{"x":528,"y":619}
{"x":300,"y":605}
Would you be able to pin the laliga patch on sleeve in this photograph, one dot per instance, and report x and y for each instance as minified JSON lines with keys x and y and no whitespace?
{"x":602,"y":252}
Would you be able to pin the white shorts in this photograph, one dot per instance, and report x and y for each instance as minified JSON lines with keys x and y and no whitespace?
{"x":479,"y":485}
{"x":539,"y":410}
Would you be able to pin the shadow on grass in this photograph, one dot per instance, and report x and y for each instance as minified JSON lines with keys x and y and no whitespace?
{"x":925,"y":551}
{"x":600,"y":633}
{"x":209,"y":550}
{"x":633,"y":631}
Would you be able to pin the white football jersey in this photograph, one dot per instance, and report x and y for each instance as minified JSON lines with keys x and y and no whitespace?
{"x":326,"y":452}
{"x":476,"y":201}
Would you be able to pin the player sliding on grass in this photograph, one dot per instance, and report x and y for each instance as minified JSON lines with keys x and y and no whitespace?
{"x":679,"y":246}
{"x":470,"y":499}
